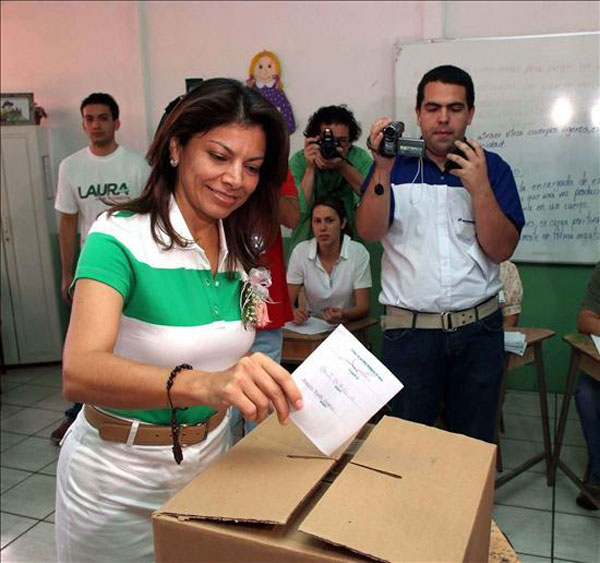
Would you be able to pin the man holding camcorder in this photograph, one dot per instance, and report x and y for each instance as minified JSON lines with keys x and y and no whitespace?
{"x":329,"y":165}
{"x":448,"y":213}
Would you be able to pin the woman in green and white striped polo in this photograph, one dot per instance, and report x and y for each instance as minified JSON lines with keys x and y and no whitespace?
{"x":162,"y":319}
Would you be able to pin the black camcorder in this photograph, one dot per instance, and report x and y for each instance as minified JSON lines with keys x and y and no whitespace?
{"x":393,"y":144}
{"x":328,"y":144}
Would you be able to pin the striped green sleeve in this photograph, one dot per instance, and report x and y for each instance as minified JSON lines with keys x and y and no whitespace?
{"x":104,"y":259}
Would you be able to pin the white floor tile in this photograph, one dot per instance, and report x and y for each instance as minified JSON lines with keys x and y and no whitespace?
{"x":36,"y":545}
{"x":30,"y":420}
{"x":527,"y":490}
{"x":576,"y":457}
{"x":47,"y":431}
{"x":49,"y":518}
{"x":526,"y":558}
{"x":8,"y":410}
{"x":573,"y":433}
{"x":573,"y":414}
{"x":10,"y":477}
{"x":9,"y":439}
{"x":522,"y":427}
{"x":33,"y":497}
{"x":565,"y":495}
{"x":6,"y":384}
{"x":31,"y":454}
{"x":55,"y":402}
{"x":50,"y":377}
{"x":27,"y":395}
{"x":516,"y":452}
{"x":529,"y":531}
{"x":577,"y":538}
{"x":527,"y":403}
{"x":11,"y":527}
{"x":50,"y":469}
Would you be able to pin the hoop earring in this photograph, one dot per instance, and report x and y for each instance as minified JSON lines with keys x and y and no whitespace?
{"x":173,"y":162}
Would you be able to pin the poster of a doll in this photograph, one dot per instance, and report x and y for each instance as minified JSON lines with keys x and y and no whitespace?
{"x":265,"y":77}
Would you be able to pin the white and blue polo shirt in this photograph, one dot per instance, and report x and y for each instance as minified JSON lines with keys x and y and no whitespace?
{"x":432,"y":261}
{"x":174,"y":311}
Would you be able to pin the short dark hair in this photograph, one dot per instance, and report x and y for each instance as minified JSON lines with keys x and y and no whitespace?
{"x":338,"y":206}
{"x":340,"y":115}
{"x":215,"y":103}
{"x":104,"y":99}
{"x":447,"y":74}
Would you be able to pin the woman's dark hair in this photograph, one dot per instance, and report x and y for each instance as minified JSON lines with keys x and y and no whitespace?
{"x":214,"y":103}
{"x":447,"y":74}
{"x":340,"y":115}
{"x":338,"y":206}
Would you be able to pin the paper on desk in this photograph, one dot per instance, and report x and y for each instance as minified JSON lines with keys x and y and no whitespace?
{"x":343,"y":385}
{"x":313,"y":325}
{"x":515,"y":342}
{"x":596,"y":341}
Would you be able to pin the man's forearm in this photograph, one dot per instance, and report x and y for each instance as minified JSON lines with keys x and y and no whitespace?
{"x":372,"y":215}
{"x":289,"y":211}
{"x":307,"y":185}
{"x":352,"y":175}
{"x":496,"y":234}
{"x":67,"y":238}
{"x":588,"y":322}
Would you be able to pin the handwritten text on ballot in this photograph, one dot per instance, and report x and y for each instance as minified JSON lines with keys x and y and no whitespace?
{"x":343,"y":385}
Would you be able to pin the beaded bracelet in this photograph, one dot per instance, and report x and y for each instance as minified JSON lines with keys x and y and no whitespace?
{"x":175,"y":427}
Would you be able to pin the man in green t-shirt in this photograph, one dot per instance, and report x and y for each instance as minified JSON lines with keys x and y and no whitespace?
{"x":316,"y":176}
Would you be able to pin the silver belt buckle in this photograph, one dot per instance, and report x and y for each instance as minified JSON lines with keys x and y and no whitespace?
{"x":447,"y":322}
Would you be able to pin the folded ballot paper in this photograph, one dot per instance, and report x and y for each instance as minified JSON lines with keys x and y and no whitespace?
{"x":515,"y":342}
{"x":343,"y":385}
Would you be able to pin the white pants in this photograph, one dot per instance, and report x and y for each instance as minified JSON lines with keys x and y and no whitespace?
{"x":106,"y":492}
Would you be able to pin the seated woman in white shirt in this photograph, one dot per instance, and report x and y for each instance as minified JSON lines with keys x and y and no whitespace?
{"x":333,"y":269}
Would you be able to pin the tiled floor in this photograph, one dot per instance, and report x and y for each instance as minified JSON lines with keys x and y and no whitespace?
{"x":543,"y":523}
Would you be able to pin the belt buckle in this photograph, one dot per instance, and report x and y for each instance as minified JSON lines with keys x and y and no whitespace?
{"x":447,"y":322}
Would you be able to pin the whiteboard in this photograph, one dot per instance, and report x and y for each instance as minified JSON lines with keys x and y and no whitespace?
{"x":537,"y":104}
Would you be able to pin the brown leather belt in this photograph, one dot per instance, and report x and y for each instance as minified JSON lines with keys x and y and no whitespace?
{"x":115,"y":429}
{"x":396,"y":317}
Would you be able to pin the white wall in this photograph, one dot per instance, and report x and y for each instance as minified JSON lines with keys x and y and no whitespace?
{"x":331,"y":52}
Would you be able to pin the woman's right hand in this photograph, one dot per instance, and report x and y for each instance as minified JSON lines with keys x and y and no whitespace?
{"x":253,"y":384}
{"x":300,"y":315}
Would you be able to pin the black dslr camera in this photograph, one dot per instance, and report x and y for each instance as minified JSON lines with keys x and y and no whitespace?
{"x":393,"y":144}
{"x":328,"y":144}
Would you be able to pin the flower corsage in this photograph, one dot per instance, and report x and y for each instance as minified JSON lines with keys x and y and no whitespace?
{"x":254,"y":298}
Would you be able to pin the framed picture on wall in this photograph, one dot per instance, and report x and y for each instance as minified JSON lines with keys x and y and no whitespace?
{"x":17,"y":109}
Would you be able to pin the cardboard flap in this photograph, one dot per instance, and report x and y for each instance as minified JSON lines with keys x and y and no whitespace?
{"x":257,"y":481}
{"x":397,"y":447}
{"x":389,"y":476}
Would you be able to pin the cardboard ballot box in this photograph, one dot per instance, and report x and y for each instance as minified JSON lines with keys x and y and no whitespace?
{"x":401,"y":492}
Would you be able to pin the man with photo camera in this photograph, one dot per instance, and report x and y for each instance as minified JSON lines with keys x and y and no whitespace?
{"x":446,"y":220}
{"x":329,"y":165}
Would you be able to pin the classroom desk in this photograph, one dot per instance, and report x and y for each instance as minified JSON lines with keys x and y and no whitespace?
{"x":297,"y":347}
{"x":584,"y":357}
{"x":533,"y":354}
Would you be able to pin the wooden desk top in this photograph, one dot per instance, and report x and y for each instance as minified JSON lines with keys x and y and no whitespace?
{"x":589,"y":359}
{"x":583,"y":343}
{"x":353,"y":326}
{"x":532,"y":335}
